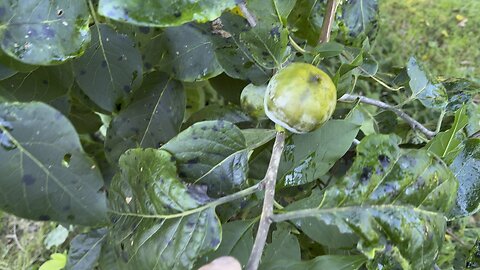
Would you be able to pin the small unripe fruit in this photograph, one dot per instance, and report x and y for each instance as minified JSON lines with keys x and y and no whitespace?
{"x":251,"y":100}
{"x":300,"y":98}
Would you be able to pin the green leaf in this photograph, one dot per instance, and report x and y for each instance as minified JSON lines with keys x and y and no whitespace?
{"x":110,"y":68}
{"x":43,"y":84}
{"x":85,"y":249}
{"x":473,"y":261}
{"x":148,"y":185}
{"x":360,"y":17}
{"x":230,"y":113}
{"x":309,"y":156}
{"x":82,"y":114}
{"x":56,"y":237}
{"x":432,"y":96}
{"x":165,"y":13}
{"x":44,"y":32}
{"x":284,"y":246}
{"x":47,"y":175}
{"x":460,"y":92}
{"x":388,"y":194}
{"x":151,"y":119}
{"x":256,"y":137}
{"x":336,"y":262}
{"x":448,"y":144}
{"x":306,"y":19}
{"x":6,"y":72}
{"x":237,"y":241}
{"x":57,"y":262}
{"x":211,"y":153}
{"x":188,"y":53}
{"x":466,"y":168}
{"x":231,"y":52}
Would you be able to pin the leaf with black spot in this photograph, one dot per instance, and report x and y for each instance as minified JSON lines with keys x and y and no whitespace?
{"x":110,"y":69}
{"x":212,"y":153}
{"x":148,"y":185}
{"x":46,"y":173}
{"x":44,"y":32}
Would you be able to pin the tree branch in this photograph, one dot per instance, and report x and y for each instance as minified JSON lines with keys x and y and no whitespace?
{"x":247,"y":14}
{"x":267,"y":210}
{"x":412,"y":122}
{"x":328,"y":21}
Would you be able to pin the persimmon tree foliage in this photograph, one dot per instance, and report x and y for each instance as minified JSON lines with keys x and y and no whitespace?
{"x":124,"y":118}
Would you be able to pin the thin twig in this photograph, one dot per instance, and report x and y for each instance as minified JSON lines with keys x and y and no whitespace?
{"x":328,"y":21}
{"x":247,"y":14}
{"x":412,"y":122}
{"x":267,"y":210}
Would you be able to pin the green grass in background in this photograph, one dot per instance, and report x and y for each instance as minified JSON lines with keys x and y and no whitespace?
{"x":444,"y":34}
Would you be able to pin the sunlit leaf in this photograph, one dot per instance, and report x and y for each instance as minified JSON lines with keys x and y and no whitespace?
{"x":44,"y":32}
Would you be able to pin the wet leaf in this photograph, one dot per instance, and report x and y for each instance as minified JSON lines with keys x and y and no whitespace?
{"x":151,"y":119}
{"x":110,"y":63}
{"x":232,"y":54}
{"x":44,"y":32}
{"x":85,"y":249}
{"x":188,"y":53}
{"x":148,"y":185}
{"x":309,"y":156}
{"x":466,"y":168}
{"x":211,"y":153}
{"x":432,"y":96}
{"x":165,"y":13}
{"x":448,"y":144}
{"x":47,"y":175}
{"x":388,"y":194}
{"x":460,"y":92}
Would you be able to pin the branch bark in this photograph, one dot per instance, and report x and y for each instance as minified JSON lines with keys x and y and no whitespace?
{"x":269,"y":181}
{"x":328,"y":21}
{"x":412,"y":122}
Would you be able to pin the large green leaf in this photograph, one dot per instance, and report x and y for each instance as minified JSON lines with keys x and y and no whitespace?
{"x":230,"y":113}
{"x":237,"y":241}
{"x":46,"y":174}
{"x":148,"y":185}
{"x":110,"y":68}
{"x":43,"y":84}
{"x":448,"y":144}
{"x":388,"y":194}
{"x":360,"y":17}
{"x":309,"y":156}
{"x":284,"y":246}
{"x":44,"y":32}
{"x":6,"y":72}
{"x":334,"y":262}
{"x":432,"y":96}
{"x":188,"y":53}
{"x":466,"y":168}
{"x":306,"y":19}
{"x":212,"y":153}
{"x":163,"y":13}
{"x":85,"y":249}
{"x":232,"y":53}
{"x":153,"y":116}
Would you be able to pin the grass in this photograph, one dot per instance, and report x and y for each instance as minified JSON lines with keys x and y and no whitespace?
{"x":21,"y":243}
{"x":444,"y":34}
